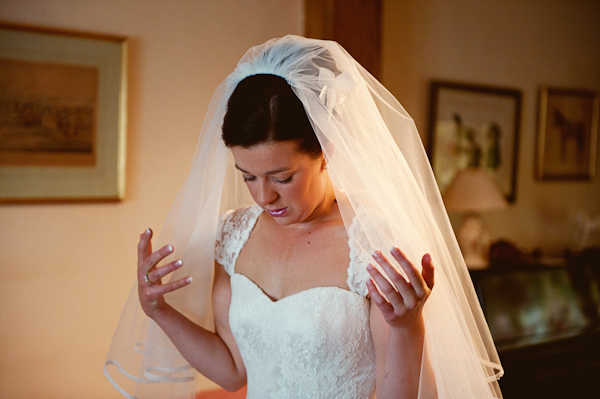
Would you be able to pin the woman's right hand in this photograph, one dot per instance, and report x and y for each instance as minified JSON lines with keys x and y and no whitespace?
{"x":151,"y":290}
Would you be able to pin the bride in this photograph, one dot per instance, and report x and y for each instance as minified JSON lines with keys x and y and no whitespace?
{"x":304,"y":299}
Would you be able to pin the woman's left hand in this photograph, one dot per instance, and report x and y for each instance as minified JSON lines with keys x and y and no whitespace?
{"x":400,"y":301}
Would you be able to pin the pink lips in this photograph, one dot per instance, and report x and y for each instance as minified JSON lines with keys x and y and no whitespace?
{"x":276,"y":213}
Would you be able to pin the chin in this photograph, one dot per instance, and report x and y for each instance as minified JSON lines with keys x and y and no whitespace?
{"x":283,"y":221}
{"x":286,"y":220}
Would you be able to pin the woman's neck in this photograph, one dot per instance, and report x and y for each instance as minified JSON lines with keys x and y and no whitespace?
{"x":327,"y":211}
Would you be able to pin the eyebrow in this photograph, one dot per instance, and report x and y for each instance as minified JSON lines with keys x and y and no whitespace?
{"x":271,"y":172}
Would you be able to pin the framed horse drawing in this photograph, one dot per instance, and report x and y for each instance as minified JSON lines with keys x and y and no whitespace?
{"x":567,"y":134}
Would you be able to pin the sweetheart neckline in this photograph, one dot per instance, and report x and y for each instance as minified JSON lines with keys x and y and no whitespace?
{"x":305,"y":291}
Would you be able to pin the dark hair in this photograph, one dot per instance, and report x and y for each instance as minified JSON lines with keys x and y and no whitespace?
{"x":264,"y":108}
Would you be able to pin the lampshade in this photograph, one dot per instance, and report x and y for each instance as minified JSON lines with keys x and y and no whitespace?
{"x":473,"y":190}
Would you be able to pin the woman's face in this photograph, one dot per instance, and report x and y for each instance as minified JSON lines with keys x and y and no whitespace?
{"x":291,"y":186}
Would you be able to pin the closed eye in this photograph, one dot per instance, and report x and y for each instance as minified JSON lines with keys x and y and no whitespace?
{"x":253,"y":178}
{"x":286,"y":181}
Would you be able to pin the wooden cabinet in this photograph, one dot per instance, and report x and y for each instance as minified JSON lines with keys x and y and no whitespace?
{"x":545,"y":320}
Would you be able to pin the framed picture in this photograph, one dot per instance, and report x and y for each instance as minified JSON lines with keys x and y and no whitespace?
{"x":474,"y":126}
{"x":62,"y":115}
{"x":567,"y":134}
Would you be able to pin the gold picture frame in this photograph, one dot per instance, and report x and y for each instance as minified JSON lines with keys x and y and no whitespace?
{"x":62,"y":115}
{"x":567,"y":134}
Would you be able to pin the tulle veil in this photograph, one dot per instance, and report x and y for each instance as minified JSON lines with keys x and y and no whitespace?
{"x":381,"y":176}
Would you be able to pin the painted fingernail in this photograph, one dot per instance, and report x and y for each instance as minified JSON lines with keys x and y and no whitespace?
{"x":178,"y":263}
{"x":170,"y":248}
{"x":189,"y":280}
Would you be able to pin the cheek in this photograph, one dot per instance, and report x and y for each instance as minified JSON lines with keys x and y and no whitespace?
{"x":308,"y":190}
{"x":252,"y":190}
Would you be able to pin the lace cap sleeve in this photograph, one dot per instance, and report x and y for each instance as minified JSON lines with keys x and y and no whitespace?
{"x":220,"y":255}
{"x":357,"y":270}
{"x":232,"y":234}
{"x":365,"y":224}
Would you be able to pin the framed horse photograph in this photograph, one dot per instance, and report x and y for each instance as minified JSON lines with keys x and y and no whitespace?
{"x":567,"y":134}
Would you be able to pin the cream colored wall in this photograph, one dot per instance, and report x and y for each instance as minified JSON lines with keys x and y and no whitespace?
{"x":66,"y":269}
{"x":513,"y":43}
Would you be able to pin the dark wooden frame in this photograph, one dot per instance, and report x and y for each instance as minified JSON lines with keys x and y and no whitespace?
{"x":495,"y":106}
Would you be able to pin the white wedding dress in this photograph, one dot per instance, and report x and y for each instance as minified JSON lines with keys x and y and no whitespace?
{"x":309,"y":345}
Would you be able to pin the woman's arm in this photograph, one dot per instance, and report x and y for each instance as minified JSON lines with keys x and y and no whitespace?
{"x":214,"y":355}
{"x":397,"y":324}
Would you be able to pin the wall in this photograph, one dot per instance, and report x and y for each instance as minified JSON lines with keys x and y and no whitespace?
{"x":512,"y":43}
{"x":67,"y":268}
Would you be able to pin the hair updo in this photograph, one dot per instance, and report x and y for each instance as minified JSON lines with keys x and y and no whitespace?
{"x":264,"y":108}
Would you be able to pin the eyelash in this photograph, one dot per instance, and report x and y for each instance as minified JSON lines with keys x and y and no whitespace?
{"x":286,"y":181}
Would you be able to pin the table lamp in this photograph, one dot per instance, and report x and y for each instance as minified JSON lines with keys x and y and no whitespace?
{"x":471,"y":192}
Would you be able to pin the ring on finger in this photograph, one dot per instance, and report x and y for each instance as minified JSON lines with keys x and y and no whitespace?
{"x":147,"y":279}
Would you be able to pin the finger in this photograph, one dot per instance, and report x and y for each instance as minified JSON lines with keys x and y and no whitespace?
{"x":160,"y":290}
{"x":386,"y":288}
{"x":428,"y":270}
{"x":406,"y":292}
{"x":156,"y":275}
{"x":154,"y":258}
{"x":414,"y":277}
{"x":145,"y":245}
{"x":384,"y":306}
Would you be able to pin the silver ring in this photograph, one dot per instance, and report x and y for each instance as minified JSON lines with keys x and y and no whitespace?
{"x":148,"y":280}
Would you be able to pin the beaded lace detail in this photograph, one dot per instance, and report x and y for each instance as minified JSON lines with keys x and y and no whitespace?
{"x":234,"y":230}
{"x":312,"y":344}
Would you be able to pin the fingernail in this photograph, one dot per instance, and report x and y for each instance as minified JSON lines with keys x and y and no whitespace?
{"x":178,"y":263}
{"x":376,"y":254}
{"x":189,"y":280}
{"x":393,"y":249}
{"x":170,"y":248}
{"x":370,"y":266}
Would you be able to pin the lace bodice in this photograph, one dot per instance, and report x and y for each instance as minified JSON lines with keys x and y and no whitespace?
{"x":312,"y":344}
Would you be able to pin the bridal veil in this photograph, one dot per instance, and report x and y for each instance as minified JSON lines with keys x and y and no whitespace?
{"x":382,"y":177}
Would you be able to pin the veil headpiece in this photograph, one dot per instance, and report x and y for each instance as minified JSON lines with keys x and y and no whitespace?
{"x":383,"y":181}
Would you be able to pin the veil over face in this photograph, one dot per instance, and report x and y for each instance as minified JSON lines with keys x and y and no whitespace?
{"x":382,"y":180}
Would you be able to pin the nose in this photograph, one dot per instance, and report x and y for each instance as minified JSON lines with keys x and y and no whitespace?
{"x":265,"y":194}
